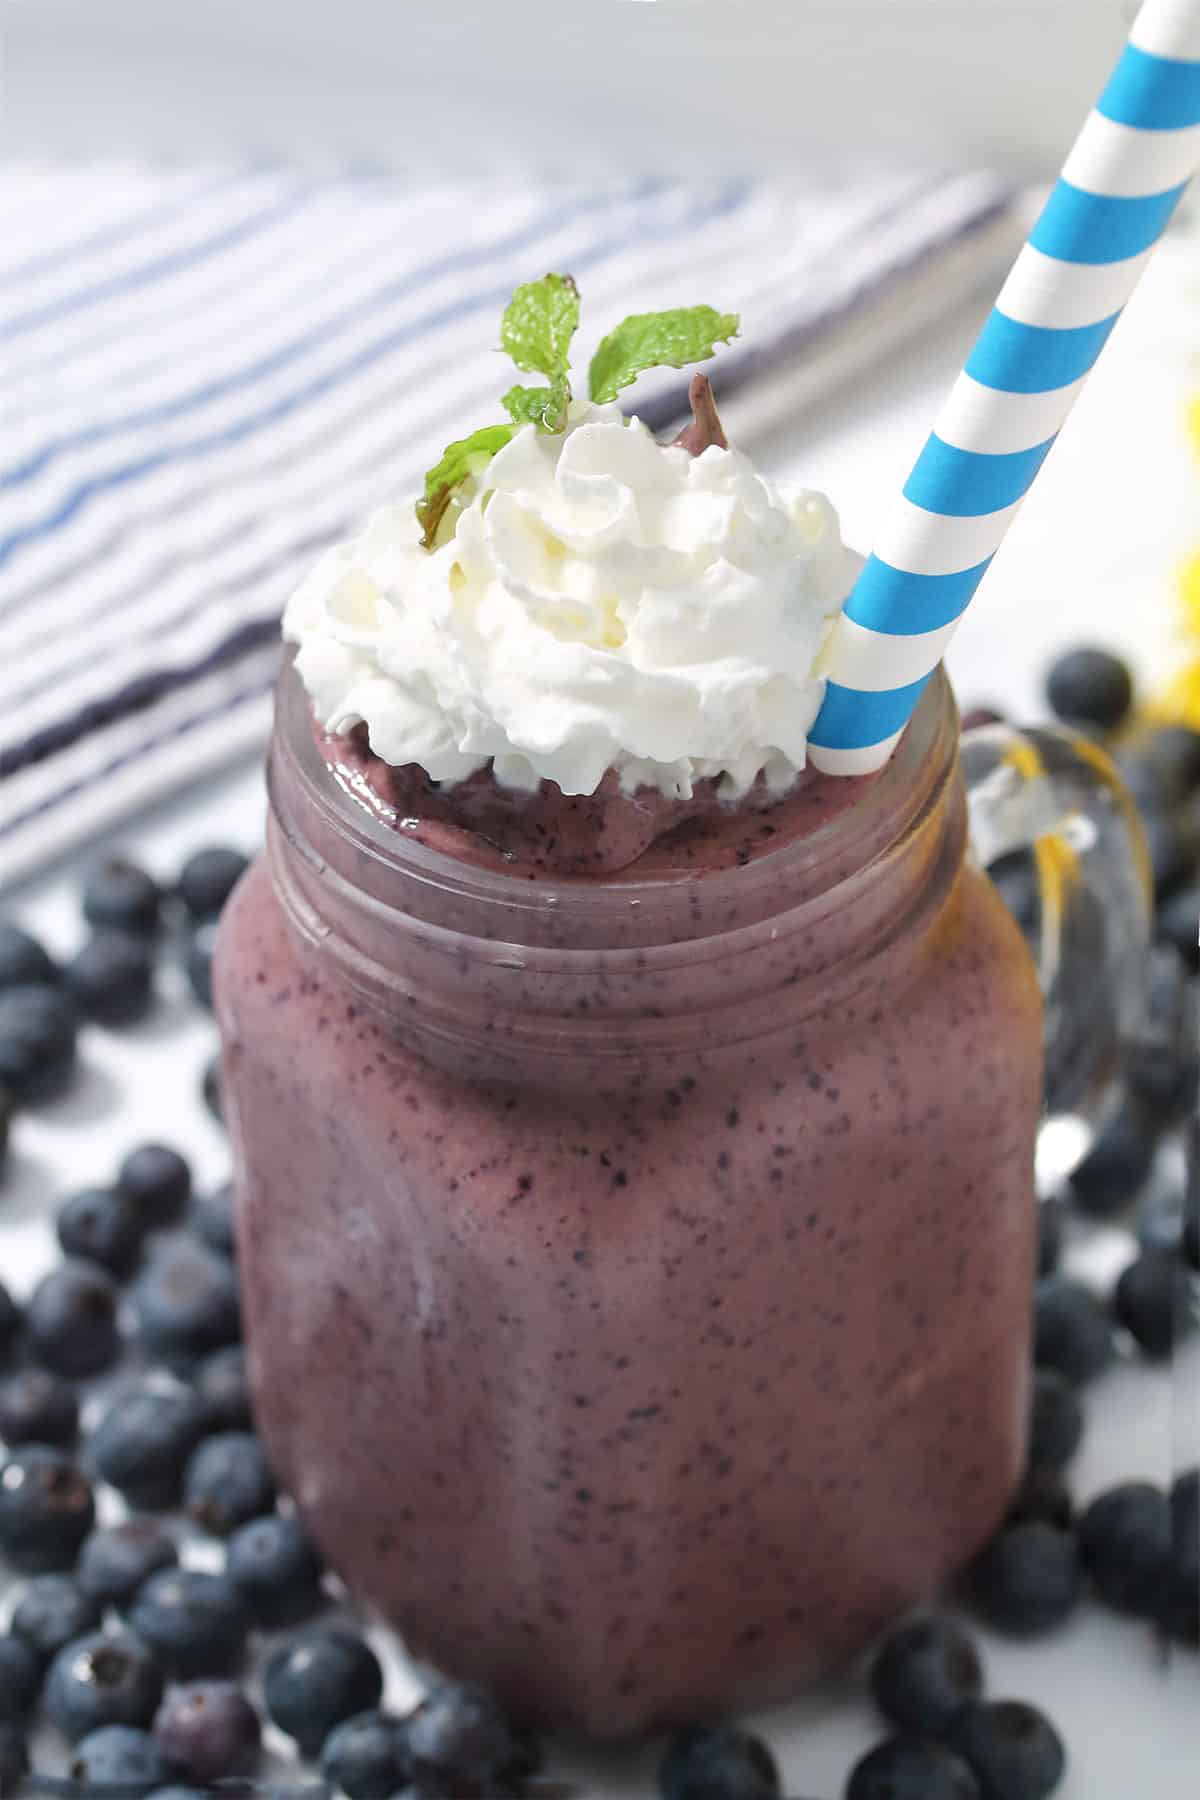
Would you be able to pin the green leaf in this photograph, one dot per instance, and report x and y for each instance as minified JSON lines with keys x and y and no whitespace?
{"x":539,"y":323}
{"x":657,"y":340}
{"x":545,"y":407}
{"x":465,"y":457}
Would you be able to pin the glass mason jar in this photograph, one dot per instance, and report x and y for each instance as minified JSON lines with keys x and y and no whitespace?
{"x":638,"y":1273}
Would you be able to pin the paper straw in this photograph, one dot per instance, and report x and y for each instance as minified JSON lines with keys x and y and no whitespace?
{"x":1118,"y":188}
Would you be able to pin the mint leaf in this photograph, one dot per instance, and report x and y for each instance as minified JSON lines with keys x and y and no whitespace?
{"x":545,"y":407}
{"x":539,"y":323}
{"x":657,"y":340}
{"x":465,"y":457}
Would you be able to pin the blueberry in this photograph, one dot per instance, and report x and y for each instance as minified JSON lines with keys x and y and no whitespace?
{"x":105,"y":1678}
{"x":276,"y":1569}
{"x":1014,"y":1750}
{"x":1185,"y":1513}
{"x":52,"y":1610}
{"x":366,"y":1757}
{"x":198,"y":961}
{"x":1091,"y":686}
{"x":1055,"y":1419}
{"x":1177,"y":923}
{"x":102,"y":1225}
{"x":1162,"y":1079}
{"x":1173,"y":752}
{"x":322,"y":1677}
{"x":1179,"y":1612}
{"x":908,"y":1768}
{"x":925,"y":1673}
{"x":38,"y":1027}
{"x":212,"y":1219}
{"x":1072,"y":1331}
{"x":1125,"y":1546}
{"x":458,"y":1734}
{"x":158,"y":1182}
{"x":224,"y":1389}
{"x":1043,"y":1494}
{"x":115,"y":1560}
{"x":46,"y":1509}
{"x":1052,"y":1214}
{"x":228,"y":1481}
{"x":1152,"y":1301}
{"x":1115,"y":1169}
{"x":111,"y":980}
{"x":194,"y":1622}
{"x":72,"y":1320}
{"x":1171,"y":843}
{"x":207,"y":879}
{"x":211,"y":1091}
{"x":20,"y":1678}
{"x":142,"y":1444}
{"x":10,"y":1320}
{"x":24,"y":962}
{"x":1028,"y":1579}
{"x":118,"y":893}
{"x":14,"y":1757}
{"x":208,"y":1730}
{"x":120,"y":1758}
{"x":1015,"y":879}
{"x":186,"y":1300}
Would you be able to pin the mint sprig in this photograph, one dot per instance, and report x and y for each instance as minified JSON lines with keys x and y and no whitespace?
{"x":654,"y":341}
{"x":538,"y":324}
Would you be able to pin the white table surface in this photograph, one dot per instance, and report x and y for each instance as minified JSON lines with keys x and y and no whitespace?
{"x":1094,"y":554}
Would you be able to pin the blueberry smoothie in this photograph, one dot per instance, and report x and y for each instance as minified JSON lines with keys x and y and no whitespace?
{"x":634,"y":1131}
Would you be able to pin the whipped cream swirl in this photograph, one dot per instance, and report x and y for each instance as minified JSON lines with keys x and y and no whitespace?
{"x":606,"y":602}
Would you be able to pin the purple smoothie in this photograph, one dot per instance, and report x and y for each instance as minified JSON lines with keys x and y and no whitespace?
{"x":637,"y":1264}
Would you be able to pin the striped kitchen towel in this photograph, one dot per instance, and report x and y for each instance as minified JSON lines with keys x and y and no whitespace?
{"x":208,"y":374}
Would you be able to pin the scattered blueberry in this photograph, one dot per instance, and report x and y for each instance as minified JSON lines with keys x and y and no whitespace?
{"x":208,"y":1730}
{"x":1171,"y":843}
{"x":120,"y":1758}
{"x":198,"y":961}
{"x":1015,"y":1752}
{"x":1177,"y":922}
{"x":1152,"y":1301}
{"x":1162,"y":1078}
{"x":1052,"y":1215}
{"x":1179,"y":1613}
{"x":10,"y":1319}
{"x":105,"y":1678}
{"x":276,"y":1568}
{"x":158,"y":1182}
{"x":1090,"y":686}
{"x":186,"y":1300}
{"x":193,"y":1621}
{"x":222,"y":1384}
{"x":102,"y":1225}
{"x":908,"y":1768}
{"x":142,"y":1444}
{"x":1125,"y":1546}
{"x":20,"y":1678}
{"x":228,"y":1481}
{"x":1055,"y":1420}
{"x":207,"y":879}
{"x":925,"y":1674}
{"x":51,"y":1611}
{"x":1185,"y":1513}
{"x":120,"y":894}
{"x":111,"y":980}
{"x":24,"y":962}
{"x":72,"y":1320}
{"x":211,"y":1091}
{"x":1043,"y":1494}
{"x":1116,"y":1168}
{"x":366,"y":1757}
{"x":46,"y":1509}
{"x":323,"y":1676}
{"x":459,"y":1735}
{"x":1072,"y":1330}
{"x":212,"y":1219}
{"x":116,"y":1559}
{"x":38,"y":1027}
{"x":1173,"y":752}
{"x":1028,"y":1579}
{"x":14,"y":1757}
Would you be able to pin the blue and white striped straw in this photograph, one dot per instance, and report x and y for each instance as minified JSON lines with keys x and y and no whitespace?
{"x":1119,"y":186}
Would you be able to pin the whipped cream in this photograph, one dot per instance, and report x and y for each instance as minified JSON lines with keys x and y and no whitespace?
{"x":606,"y":602}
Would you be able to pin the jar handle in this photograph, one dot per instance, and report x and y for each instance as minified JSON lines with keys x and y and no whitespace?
{"x":1057,"y":794}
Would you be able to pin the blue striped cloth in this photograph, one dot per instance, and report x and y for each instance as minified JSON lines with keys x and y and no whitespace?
{"x":209,"y":374}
